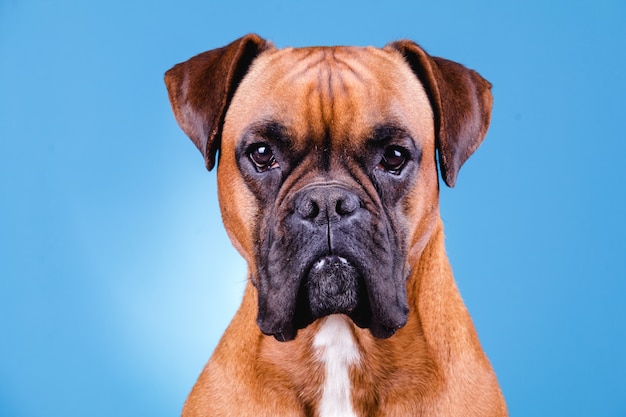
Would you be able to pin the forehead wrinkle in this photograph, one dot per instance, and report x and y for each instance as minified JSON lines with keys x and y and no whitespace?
{"x":323,"y":66}
{"x":314,"y":77}
{"x":305,"y":66}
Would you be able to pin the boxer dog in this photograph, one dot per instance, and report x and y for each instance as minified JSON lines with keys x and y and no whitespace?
{"x":328,"y":187}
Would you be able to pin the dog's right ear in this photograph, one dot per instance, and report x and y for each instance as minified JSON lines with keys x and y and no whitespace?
{"x":201,"y":88}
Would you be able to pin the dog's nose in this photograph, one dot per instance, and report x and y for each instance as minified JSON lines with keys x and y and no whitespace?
{"x":327,"y":204}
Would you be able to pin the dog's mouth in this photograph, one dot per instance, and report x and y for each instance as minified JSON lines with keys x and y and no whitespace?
{"x":334,"y":285}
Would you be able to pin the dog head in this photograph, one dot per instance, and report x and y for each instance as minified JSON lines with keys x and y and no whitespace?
{"x":327,"y":171}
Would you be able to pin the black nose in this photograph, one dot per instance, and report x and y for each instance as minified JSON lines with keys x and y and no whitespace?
{"x":326,"y":204}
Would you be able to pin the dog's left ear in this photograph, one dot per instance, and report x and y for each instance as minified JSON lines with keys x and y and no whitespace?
{"x":461,"y":101}
{"x":200,"y":90}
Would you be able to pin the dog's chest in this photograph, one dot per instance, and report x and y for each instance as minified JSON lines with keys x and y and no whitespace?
{"x":337,"y":350}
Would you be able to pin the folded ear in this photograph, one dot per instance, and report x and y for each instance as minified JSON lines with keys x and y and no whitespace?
{"x":201,"y":88}
{"x":461,"y":100}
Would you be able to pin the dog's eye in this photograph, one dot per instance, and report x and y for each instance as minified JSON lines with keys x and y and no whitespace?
{"x":394,"y":159}
{"x":262,"y":157}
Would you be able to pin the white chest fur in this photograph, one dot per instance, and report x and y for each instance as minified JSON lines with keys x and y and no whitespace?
{"x":336,"y":349}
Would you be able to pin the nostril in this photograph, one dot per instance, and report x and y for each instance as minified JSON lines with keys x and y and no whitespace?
{"x":308,"y":209}
{"x":346,"y":205}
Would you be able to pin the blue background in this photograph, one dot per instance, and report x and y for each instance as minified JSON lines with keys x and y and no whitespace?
{"x":117,"y":279}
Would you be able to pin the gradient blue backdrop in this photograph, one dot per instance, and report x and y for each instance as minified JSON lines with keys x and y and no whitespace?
{"x":117,"y":279}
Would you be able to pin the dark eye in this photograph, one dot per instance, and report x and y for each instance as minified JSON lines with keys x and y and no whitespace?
{"x":394,"y":159}
{"x":262,"y":157}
